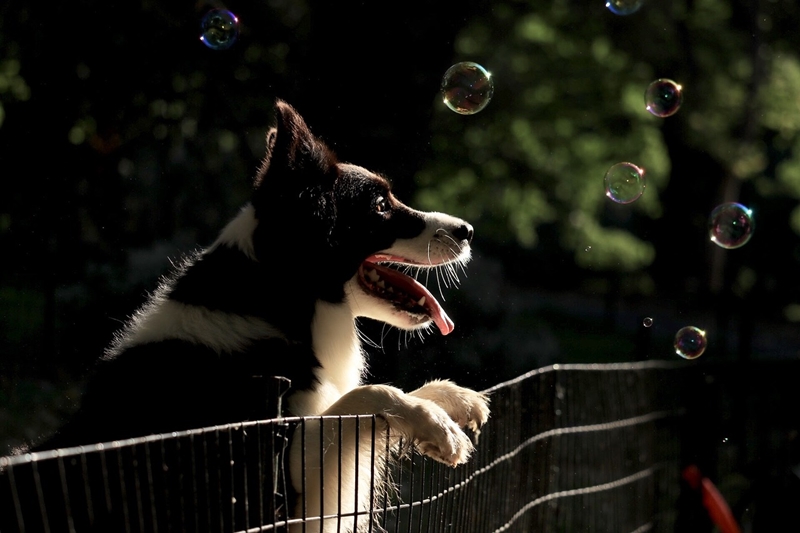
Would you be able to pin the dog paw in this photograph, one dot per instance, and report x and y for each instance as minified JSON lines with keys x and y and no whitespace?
{"x":431,"y":417}
{"x":466,"y":407}
{"x":437,"y":435}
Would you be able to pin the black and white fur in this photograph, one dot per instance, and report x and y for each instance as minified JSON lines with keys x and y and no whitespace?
{"x":279,"y":293}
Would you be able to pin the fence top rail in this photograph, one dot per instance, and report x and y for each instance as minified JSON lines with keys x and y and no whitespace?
{"x":588,"y":367}
{"x":31,"y":457}
{"x":13,"y":460}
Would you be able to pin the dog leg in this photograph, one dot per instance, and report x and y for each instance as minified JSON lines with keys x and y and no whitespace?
{"x":327,"y":490}
{"x":468,"y":408}
{"x":336,"y":471}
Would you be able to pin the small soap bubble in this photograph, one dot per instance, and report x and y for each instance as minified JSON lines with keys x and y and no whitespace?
{"x":647,"y":322}
{"x":220,"y":28}
{"x":690,"y":342}
{"x":588,"y":249}
{"x":663,"y":98}
{"x":624,"y":7}
{"x":731,"y":225}
{"x":624,"y":183}
{"x":467,"y":88}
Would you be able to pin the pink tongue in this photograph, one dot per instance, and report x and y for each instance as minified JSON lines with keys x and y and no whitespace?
{"x":417,"y":290}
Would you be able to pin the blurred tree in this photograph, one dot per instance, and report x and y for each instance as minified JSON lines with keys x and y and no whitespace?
{"x":568,"y":105}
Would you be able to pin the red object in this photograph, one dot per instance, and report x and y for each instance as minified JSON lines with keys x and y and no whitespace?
{"x":716,"y":506}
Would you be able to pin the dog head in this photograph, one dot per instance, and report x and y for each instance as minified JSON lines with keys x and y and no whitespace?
{"x":347,"y":238}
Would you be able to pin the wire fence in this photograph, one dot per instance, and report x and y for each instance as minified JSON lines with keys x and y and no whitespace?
{"x":567,"y":448}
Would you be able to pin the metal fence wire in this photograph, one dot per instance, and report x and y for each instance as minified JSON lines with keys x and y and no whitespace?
{"x":567,"y":448}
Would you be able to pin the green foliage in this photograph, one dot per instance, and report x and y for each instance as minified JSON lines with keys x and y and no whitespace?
{"x":568,"y":104}
{"x":781,"y":115}
{"x":12,"y":85}
{"x":779,"y":102}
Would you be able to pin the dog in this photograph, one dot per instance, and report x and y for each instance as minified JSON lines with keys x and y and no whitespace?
{"x":279,"y":293}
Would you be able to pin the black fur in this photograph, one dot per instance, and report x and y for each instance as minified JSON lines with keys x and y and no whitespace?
{"x":174,"y":385}
{"x":316,"y":224}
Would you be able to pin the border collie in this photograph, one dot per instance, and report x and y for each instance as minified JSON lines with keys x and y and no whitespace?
{"x":278,"y":294}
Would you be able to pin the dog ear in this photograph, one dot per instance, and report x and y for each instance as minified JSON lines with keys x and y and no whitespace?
{"x":292,"y":147}
{"x":294,"y":185}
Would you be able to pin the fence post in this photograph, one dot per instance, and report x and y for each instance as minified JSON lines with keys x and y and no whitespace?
{"x":270,"y":391}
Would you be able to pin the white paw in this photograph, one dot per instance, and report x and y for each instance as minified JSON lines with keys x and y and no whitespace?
{"x":432,"y":417}
{"x":468,"y":408}
{"x":436,"y":434}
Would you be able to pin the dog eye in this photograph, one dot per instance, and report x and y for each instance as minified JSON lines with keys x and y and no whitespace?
{"x":381,"y":205}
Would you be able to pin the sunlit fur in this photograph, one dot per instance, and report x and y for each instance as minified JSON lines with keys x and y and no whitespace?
{"x":278,"y":294}
{"x":433,"y":250}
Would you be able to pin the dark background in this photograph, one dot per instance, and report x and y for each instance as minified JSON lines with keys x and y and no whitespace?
{"x":125,"y":142}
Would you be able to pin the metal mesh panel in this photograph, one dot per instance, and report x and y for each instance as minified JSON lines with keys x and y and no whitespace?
{"x":567,"y":448}
{"x":209,"y":479}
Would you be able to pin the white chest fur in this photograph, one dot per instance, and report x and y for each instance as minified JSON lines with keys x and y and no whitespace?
{"x":336,"y":345}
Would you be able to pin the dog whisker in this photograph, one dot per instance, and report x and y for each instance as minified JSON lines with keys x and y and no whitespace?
{"x":445,"y":271}
{"x":365,"y":338}
{"x":439,"y":284}
{"x":458,"y":245}
{"x":463,"y":270}
{"x":383,"y":337}
{"x":422,"y":331}
{"x":453,"y":270}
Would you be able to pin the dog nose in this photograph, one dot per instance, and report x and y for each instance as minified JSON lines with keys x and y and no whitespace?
{"x":464,"y":232}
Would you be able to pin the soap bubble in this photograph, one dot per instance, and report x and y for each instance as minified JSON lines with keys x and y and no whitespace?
{"x":731,"y":225}
{"x":467,"y":88}
{"x":690,"y":342}
{"x":220,"y":28}
{"x":647,"y":322}
{"x":624,"y":183}
{"x":624,"y":7}
{"x":663,"y":97}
